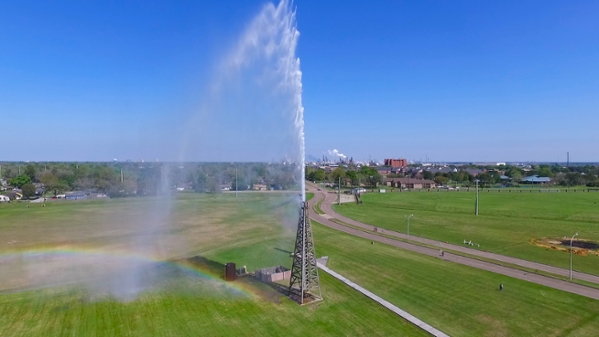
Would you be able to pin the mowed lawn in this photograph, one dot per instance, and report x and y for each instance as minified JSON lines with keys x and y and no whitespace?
{"x":458,"y":300}
{"x":181,"y":312}
{"x":256,"y":230}
{"x":506,"y":224}
{"x":189,"y":224}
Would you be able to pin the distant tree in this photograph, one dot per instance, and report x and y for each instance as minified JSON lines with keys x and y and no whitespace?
{"x":8,"y":172}
{"x":441,"y":180}
{"x":590,"y":178}
{"x":30,"y":171}
{"x":369,"y":176}
{"x":514,"y":173}
{"x":239,"y":183}
{"x":319,"y":175}
{"x":545,"y":171}
{"x":427,"y":175}
{"x":57,"y":187}
{"x":48,"y":179}
{"x":574,"y":179}
{"x":338,"y":173}
{"x":315,"y":174}
{"x":201,"y":183}
{"x":214,"y":185}
{"x":260,"y":170}
{"x":353,"y":176}
{"x":20,"y":180}
{"x":485,"y":179}
{"x":28,"y":191}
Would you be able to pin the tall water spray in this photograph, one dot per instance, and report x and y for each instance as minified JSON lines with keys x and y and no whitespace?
{"x":253,"y":109}
{"x":252,"y":112}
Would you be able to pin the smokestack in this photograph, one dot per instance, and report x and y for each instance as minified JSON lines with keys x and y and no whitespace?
{"x":568,"y":159}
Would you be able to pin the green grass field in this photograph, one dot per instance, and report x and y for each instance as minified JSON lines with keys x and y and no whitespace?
{"x":505,"y":225}
{"x":221,"y":228}
{"x":458,"y":300}
{"x":178,"y":311}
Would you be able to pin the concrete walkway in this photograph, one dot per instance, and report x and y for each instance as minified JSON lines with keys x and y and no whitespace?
{"x":422,"y":325}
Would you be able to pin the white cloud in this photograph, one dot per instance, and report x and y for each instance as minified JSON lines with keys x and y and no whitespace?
{"x":335,"y":152}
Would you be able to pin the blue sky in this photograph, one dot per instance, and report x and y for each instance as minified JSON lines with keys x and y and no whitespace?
{"x":443,"y":80}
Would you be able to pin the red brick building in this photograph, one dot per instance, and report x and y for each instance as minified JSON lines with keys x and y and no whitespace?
{"x":396,"y":162}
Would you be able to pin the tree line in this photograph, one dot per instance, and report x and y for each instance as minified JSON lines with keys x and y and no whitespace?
{"x":140,"y":179}
{"x":586,"y":175}
{"x":365,"y":175}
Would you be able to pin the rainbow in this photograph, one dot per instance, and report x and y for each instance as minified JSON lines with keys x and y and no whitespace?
{"x":197,"y":270}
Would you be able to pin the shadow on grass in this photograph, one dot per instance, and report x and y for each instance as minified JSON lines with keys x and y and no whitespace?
{"x":283,"y":250}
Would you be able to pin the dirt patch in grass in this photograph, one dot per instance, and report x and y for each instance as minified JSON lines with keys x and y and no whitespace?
{"x":582,"y":247}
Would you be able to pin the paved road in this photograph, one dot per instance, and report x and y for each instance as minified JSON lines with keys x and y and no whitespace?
{"x":329,"y":198}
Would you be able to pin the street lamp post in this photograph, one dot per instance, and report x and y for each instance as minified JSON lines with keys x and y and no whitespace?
{"x":339,"y":192}
{"x":572,"y":239}
{"x":409,"y":216}
{"x":476,"y":210}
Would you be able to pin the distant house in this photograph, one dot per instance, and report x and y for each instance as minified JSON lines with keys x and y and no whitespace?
{"x":410,"y":183}
{"x":259,"y":187}
{"x":384,"y":170}
{"x":442,"y":170}
{"x":474,"y":171}
{"x":13,"y":195}
{"x":535,"y":179}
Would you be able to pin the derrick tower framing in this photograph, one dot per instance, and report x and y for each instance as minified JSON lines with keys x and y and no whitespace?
{"x":304,"y":285}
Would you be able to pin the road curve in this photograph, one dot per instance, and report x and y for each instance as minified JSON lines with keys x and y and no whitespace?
{"x":329,"y":198}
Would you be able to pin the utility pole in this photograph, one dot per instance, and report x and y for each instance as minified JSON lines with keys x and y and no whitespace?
{"x":236,"y":182}
{"x":572,"y":239}
{"x":122,"y":175}
{"x":476,"y":212}
{"x":568,"y":160}
{"x":339,"y":192}
{"x":409,"y":216}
